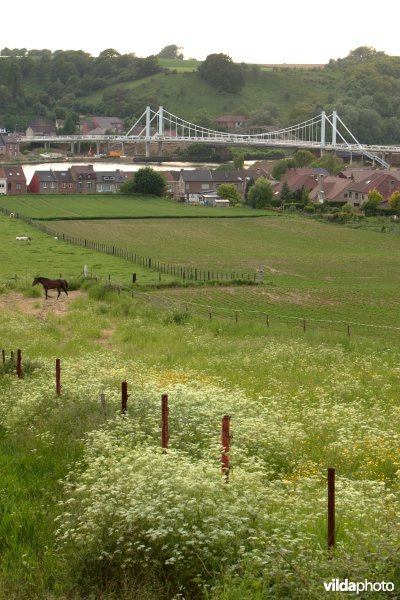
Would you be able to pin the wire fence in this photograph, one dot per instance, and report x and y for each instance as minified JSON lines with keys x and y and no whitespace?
{"x":174,"y":270}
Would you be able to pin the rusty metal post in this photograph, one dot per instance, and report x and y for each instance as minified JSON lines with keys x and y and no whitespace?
{"x":164,"y":421}
{"x":19,"y":364}
{"x":124,"y":397}
{"x":58,"y":377}
{"x":226,"y":438}
{"x":3,"y":354}
{"x":331,"y":509}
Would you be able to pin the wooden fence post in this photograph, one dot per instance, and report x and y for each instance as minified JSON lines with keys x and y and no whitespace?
{"x":58,"y":377}
{"x":164,"y":421}
{"x":331,"y":509}
{"x":304,"y":325}
{"x":225,"y":438}
{"x":124,"y":397}
{"x":19,"y":364}
{"x":3,"y":354}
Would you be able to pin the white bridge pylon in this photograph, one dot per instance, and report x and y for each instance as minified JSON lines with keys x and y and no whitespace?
{"x":324,"y":132}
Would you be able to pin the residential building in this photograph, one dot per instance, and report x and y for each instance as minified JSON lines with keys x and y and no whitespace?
{"x":9,"y":145}
{"x":16,"y":180}
{"x":109,"y":181}
{"x":101,"y":125}
{"x":85,"y":178}
{"x":42,"y":127}
{"x":197,"y":182}
{"x":231,"y":121}
{"x":43,"y":182}
{"x":385,"y":182}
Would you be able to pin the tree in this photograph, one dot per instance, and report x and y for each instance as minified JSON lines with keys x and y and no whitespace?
{"x":171,"y":51}
{"x":261,"y":193}
{"x":371,"y":205}
{"x":238,"y":160}
{"x":222,"y":73}
{"x":71,"y":124}
{"x":286,"y":193}
{"x":303,"y":158}
{"x":282,"y":166}
{"x":146,"y":181}
{"x":230,"y":192}
{"x":394,"y":201}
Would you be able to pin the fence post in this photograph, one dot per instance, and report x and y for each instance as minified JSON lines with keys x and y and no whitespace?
{"x":267,"y":321}
{"x":58,"y":377}
{"x":3,"y":354}
{"x":304,"y":325}
{"x":103,"y":402}
{"x":225,"y":438}
{"x":209,"y":313}
{"x":331,"y":509}
{"x":348,"y":331}
{"x":164,"y":421}
{"x":19,"y":364}
{"x":124,"y":397}
{"x":236,"y":316}
{"x":12,"y":355}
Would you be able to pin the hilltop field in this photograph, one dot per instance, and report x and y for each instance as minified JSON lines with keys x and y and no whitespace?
{"x":305,"y":361}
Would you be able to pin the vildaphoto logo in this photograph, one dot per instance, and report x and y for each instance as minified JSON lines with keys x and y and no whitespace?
{"x":337,"y":585}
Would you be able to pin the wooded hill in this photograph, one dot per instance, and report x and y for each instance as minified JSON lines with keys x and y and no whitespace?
{"x":363,"y":87}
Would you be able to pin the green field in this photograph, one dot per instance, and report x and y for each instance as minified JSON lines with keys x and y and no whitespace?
{"x":93,"y":508}
{"x":312,"y":269}
{"x":83,"y":206}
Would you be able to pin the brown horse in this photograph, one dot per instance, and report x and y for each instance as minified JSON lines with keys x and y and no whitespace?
{"x":52,"y":284}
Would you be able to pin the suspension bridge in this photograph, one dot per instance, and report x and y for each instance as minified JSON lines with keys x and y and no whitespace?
{"x":322,"y":132}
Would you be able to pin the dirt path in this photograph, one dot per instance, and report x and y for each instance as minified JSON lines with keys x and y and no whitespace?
{"x":39,"y":307}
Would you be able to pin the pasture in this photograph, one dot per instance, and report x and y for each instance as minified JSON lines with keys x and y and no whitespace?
{"x":112,"y":206}
{"x":311,"y":269}
{"x":92,"y":508}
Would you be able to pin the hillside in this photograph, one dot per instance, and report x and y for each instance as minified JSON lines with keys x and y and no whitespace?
{"x":362,"y":87}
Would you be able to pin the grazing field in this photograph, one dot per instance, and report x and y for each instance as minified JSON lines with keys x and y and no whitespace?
{"x":47,"y":257}
{"x":311,"y":269}
{"x":91,"y":505}
{"x":112,"y":206}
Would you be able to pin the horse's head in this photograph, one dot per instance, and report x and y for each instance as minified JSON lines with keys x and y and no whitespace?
{"x":35,"y":281}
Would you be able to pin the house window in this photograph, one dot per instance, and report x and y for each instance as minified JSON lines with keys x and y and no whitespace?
{"x":356,"y":195}
{"x":205,"y":186}
{"x":44,"y":185}
{"x":52,"y":185}
{"x":70,"y":186}
{"x":345,"y":195}
{"x":89,"y":185}
{"x":63,"y":185}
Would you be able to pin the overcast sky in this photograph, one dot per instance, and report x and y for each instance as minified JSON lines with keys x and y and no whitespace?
{"x":305,"y":31}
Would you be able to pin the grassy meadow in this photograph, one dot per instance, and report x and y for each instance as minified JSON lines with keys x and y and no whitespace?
{"x":92,"y":508}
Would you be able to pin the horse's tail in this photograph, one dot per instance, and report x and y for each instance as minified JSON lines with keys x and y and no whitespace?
{"x":66,"y":284}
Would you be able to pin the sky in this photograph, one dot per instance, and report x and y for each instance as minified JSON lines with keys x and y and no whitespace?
{"x":292,"y":32}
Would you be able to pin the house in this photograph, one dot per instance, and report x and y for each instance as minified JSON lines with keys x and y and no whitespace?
{"x":9,"y":145}
{"x":43,"y":182}
{"x":85,"y":178}
{"x":16,"y":180}
{"x":101,"y":125}
{"x":231,"y":121}
{"x":65,"y":182}
{"x":3,"y":182}
{"x":297,"y":179}
{"x":330,"y":188}
{"x":42,"y":127}
{"x":109,"y":181}
{"x":172,"y":178}
{"x":200,"y":181}
{"x":385,"y":182}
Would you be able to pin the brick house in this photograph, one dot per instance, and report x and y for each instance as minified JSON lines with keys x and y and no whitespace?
{"x":101,"y":125}
{"x":41,"y":127}
{"x":9,"y":145}
{"x":16,"y":180}
{"x":85,"y":178}
{"x":195,"y":183}
{"x":43,"y":182}
{"x":231,"y":121}
{"x":385,"y":182}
